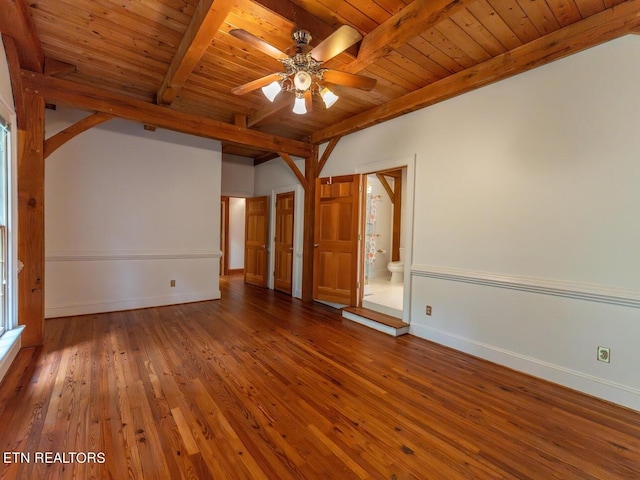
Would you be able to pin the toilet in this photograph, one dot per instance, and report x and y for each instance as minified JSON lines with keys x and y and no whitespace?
{"x":397,"y":268}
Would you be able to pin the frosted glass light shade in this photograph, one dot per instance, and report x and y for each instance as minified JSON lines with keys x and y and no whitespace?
{"x":302,"y":80}
{"x":299,"y":107}
{"x":328,"y":97}
{"x":272,"y":90}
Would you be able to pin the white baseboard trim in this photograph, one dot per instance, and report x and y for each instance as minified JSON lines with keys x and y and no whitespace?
{"x":9,"y":348}
{"x":55,"y":311}
{"x":598,"y":387}
{"x":582,"y":291}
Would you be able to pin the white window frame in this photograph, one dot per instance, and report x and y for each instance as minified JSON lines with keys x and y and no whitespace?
{"x":11,"y":329}
{"x":5,"y":160}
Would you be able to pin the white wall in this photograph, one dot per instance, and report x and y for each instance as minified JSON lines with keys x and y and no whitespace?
{"x":6,"y":94}
{"x":126,"y":211}
{"x":236,"y":232}
{"x":275,"y":173}
{"x":526,"y":225}
{"x":237,"y":176}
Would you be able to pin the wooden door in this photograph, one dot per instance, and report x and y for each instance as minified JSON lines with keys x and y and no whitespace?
{"x":283,"y":258}
{"x":255,"y":245}
{"x":336,"y":248}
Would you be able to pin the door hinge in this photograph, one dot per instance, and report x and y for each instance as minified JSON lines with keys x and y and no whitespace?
{"x":359,"y":236}
{"x":357,"y":284}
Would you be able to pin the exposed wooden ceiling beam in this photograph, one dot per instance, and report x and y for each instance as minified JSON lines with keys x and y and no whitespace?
{"x":53,"y":67}
{"x":240,"y":120}
{"x":84,"y":97}
{"x":612,"y":23}
{"x":408,"y":23}
{"x":204,"y":24}
{"x":16,"y":22}
{"x":54,"y":142}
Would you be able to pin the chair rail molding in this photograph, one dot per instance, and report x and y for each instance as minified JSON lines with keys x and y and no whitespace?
{"x":90,"y":256}
{"x":582,"y":291}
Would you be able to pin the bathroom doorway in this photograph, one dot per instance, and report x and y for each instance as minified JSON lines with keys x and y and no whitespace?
{"x":383,"y":242}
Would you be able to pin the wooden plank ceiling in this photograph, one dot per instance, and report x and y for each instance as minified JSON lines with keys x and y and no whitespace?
{"x":180,"y":52}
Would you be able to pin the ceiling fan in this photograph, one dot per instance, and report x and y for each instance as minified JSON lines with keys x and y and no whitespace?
{"x":303,"y":73}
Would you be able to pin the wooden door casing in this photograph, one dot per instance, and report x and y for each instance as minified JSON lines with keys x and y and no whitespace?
{"x":283,"y":254}
{"x":336,"y":246}
{"x":256,"y":235}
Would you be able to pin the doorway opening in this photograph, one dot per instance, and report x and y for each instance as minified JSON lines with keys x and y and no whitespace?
{"x":232,"y":235}
{"x":383,"y":245}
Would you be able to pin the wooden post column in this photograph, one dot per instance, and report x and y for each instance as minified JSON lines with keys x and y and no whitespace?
{"x":311,"y":174}
{"x":31,"y":221}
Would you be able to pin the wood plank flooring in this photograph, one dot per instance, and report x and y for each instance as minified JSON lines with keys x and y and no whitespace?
{"x":257,"y":386}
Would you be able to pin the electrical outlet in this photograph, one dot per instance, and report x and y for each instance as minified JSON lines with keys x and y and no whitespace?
{"x":604,"y":355}
{"x":428,"y":309}
{"x":172,"y":283}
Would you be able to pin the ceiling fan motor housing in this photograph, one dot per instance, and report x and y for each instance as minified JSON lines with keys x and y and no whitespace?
{"x":302,"y":37}
{"x":302,"y":67}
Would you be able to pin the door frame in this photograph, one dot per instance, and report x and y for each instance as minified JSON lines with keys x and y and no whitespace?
{"x":409,"y":162}
{"x":298,"y":223}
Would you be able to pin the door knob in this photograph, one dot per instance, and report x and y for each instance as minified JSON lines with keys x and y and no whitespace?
{"x":315,"y":245}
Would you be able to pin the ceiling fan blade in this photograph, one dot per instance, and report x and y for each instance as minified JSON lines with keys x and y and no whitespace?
{"x":349,"y":79}
{"x":308,"y":101}
{"x":258,"y":44}
{"x":336,"y":43}
{"x":255,"y":84}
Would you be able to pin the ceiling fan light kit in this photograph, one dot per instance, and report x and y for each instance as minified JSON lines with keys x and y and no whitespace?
{"x":299,"y":106}
{"x":303,"y":73}
{"x":328,"y":97}
{"x":272,"y":90}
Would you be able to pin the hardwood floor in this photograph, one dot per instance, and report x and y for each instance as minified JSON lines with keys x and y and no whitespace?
{"x":258,"y":386}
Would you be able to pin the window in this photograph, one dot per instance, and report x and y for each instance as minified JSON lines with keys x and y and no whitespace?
{"x":4,"y":215}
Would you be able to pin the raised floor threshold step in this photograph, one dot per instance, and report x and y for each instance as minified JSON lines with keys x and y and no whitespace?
{"x":376,"y":320}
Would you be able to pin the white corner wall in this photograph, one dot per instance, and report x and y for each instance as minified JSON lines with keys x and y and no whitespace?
{"x":237,"y":176}
{"x":526,"y":225}
{"x":126,"y":212}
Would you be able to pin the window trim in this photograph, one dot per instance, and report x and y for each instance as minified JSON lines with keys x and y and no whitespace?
{"x":10,"y":338}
